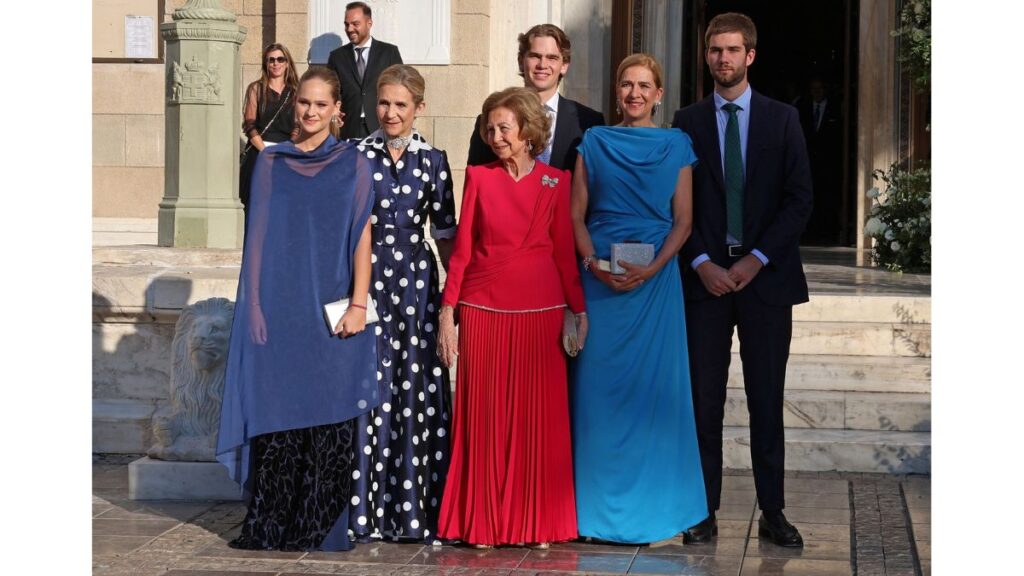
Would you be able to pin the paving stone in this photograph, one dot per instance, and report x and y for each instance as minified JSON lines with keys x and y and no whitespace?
{"x":794,"y":567}
{"x":656,"y":564}
{"x":574,"y":561}
{"x":720,"y":546}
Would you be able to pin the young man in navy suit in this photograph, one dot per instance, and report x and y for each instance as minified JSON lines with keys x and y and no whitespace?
{"x":544,"y":55}
{"x":741,"y":265}
{"x":358,"y":64}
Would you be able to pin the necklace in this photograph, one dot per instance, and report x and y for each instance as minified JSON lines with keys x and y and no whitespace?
{"x":399,"y":142}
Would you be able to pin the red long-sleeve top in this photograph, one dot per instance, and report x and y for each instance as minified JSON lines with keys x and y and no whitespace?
{"x":514,"y":250}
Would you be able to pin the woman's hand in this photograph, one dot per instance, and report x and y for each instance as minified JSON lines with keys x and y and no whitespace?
{"x":447,"y":340}
{"x":582,"y":327}
{"x":634,"y":276}
{"x":257,"y":326}
{"x":352,"y":322}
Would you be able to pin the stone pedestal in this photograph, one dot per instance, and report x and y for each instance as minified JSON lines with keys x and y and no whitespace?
{"x":200,"y":207}
{"x":150,"y":479}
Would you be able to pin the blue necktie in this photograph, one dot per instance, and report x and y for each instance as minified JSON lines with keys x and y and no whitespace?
{"x":733,"y":174}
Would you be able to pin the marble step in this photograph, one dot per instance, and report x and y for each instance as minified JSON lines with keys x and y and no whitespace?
{"x":859,"y":339}
{"x":817,"y":409}
{"x":849,"y":373}
{"x":842,"y":450}
{"x":901,"y":309}
{"x":122,"y":426}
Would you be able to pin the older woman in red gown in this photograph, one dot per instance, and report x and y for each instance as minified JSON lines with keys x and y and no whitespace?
{"x":512,"y":274}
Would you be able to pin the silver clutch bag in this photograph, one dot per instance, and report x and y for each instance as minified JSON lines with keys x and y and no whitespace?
{"x":632,"y":252}
{"x":333,"y":311}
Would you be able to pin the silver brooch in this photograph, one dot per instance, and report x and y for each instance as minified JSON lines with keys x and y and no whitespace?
{"x":549,"y":181}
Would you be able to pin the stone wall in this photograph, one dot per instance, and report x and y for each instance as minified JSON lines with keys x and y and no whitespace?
{"x":128,"y":111}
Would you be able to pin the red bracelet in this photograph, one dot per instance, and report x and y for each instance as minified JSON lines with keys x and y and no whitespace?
{"x":354,"y":305}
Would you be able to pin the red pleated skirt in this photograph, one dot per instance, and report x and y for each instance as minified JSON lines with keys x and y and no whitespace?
{"x":510,"y":479}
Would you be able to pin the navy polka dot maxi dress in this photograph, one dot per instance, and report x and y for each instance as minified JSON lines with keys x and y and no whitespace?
{"x":402,"y":447}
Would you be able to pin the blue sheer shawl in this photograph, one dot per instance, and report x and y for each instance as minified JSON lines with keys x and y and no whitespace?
{"x":307,"y":211}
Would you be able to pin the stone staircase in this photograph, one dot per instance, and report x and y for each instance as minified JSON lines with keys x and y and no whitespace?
{"x":858,"y":387}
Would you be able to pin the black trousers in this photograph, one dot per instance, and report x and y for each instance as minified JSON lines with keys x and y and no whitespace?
{"x":764,"y":333}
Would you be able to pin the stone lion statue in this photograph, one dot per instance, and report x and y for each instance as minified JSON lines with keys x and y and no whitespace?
{"x":188,"y":429}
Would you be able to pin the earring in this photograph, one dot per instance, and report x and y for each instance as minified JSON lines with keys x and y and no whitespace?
{"x":529,"y":145}
{"x":618,"y":107}
{"x":654,"y":109}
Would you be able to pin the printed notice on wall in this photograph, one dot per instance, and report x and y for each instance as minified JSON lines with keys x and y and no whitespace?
{"x":138,"y":37}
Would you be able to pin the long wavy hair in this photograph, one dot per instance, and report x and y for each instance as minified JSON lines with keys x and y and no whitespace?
{"x":291,"y":77}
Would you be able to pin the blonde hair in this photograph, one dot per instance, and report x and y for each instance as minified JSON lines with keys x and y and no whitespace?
{"x":643,"y":60}
{"x":534,"y":123}
{"x":405,"y":76}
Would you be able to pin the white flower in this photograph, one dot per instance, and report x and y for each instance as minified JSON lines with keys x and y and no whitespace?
{"x":873,"y":192}
{"x":874,"y":227}
{"x":895,"y":246}
{"x":889,"y":234}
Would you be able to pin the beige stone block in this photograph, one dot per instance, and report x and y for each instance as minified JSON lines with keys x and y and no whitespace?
{"x":251,"y":51}
{"x":126,"y":192}
{"x":251,"y":7}
{"x":108,"y":140}
{"x":456,"y":91}
{"x":144,"y":140}
{"x":458,"y":181}
{"x":452,"y":135}
{"x":292,"y":30}
{"x":468,"y":45}
{"x":131,"y":361}
{"x":144,"y":89}
{"x":472,"y":7}
{"x":233,"y":6}
{"x":293,"y":7}
{"x":108,"y":88}
{"x":425,"y":126}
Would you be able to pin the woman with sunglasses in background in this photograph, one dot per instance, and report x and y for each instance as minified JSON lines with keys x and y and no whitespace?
{"x":268,"y":115}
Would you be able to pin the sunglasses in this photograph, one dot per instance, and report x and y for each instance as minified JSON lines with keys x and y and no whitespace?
{"x":278,"y":59}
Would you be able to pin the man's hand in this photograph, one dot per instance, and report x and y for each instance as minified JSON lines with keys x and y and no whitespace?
{"x":716,"y":279}
{"x":744,"y":270}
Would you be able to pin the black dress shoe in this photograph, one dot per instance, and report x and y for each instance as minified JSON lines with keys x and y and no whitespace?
{"x":775,"y":527}
{"x":702,"y":532}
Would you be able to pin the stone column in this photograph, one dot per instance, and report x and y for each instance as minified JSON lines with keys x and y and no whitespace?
{"x":200,"y":207}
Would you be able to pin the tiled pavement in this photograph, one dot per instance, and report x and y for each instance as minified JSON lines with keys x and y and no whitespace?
{"x":863,"y":524}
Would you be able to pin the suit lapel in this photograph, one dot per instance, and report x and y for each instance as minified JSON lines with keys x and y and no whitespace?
{"x":709,"y":147}
{"x":349,"y":61}
{"x":756,"y":134}
{"x":566,"y":119}
{"x":373,"y":59}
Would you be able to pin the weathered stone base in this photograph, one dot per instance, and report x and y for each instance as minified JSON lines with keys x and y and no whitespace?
{"x":150,"y":479}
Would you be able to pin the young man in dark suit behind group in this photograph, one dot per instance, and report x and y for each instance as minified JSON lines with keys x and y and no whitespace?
{"x":544,"y":55}
{"x":741,"y":265}
{"x":359,"y":87}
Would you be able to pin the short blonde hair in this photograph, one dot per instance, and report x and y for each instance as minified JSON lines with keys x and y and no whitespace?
{"x":405,"y":76}
{"x":534,"y":123}
{"x":643,"y":60}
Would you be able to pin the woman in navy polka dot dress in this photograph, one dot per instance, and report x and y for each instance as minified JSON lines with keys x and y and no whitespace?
{"x":402,"y":447}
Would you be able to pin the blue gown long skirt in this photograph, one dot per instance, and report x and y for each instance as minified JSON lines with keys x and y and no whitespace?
{"x":636,"y":461}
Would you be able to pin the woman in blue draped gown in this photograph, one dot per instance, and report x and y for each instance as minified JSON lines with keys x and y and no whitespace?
{"x":637,"y":466}
{"x":294,"y":387}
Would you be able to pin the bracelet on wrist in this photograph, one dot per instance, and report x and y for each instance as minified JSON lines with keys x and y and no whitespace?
{"x":588,"y":262}
{"x":360,"y":306}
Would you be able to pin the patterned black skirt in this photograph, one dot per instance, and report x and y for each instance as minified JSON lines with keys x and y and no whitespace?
{"x":301,"y":488}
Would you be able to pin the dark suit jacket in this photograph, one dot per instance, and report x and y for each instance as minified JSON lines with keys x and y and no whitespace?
{"x":776,"y":202}
{"x":571,"y":122}
{"x":359,"y":96}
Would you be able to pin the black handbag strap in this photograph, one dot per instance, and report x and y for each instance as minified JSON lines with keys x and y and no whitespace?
{"x":288,"y":94}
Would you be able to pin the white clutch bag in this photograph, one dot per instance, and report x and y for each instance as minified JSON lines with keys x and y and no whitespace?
{"x":333,"y":311}
{"x":632,"y":252}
